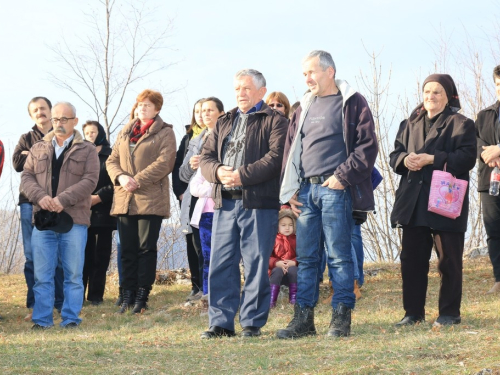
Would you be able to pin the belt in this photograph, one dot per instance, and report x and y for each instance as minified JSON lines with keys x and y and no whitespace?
{"x":232,"y":194}
{"x":317,"y":179}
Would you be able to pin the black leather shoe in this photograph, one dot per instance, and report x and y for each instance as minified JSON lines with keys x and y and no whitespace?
{"x":215,"y":332}
{"x":251,"y":332}
{"x":71,"y":325}
{"x":410,"y":320}
{"x":38,"y":327}
{"x":96,"y":303}
{"x":447,"y":320}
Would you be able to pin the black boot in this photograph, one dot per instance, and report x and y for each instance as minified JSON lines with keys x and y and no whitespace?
{"x":119,"y":301}
{"x":301,"y":325}
{"x":128,"y":301}
{"x":141,"y":300}
{"x":340,"y":326}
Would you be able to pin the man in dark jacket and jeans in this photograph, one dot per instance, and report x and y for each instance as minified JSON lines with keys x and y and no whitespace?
{"x":488,"y":153}
{"x":39,"y":110}
{"x":243,"y":157}
{"x":330,"y":152}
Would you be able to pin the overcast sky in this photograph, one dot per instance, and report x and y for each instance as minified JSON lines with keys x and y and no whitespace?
{"x":213,"y":39}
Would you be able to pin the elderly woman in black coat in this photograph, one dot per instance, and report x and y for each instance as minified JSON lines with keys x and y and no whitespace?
{"x":433,"y":137}
{"x":99,"y":238}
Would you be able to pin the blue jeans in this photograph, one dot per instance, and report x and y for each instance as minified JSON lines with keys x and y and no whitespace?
{"x":358,"y":255}
{"x":329,"y":212}
{"x":206,"y":221}
{"x":240,"y":233}
{"x":29,"y":271}
{"x":48,"y":247}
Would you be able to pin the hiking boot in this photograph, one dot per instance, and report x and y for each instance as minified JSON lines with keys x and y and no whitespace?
{"x":301,"y":325}
{"x":119,"y":300}
{"x":340,"y":325}
{"x":141,"y":300}
{"x":128,"y":301}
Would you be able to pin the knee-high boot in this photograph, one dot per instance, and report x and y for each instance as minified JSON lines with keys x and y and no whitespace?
{"x":275,"y":291}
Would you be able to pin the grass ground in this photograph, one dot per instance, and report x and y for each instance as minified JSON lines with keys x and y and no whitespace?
{"x":165,"y":340}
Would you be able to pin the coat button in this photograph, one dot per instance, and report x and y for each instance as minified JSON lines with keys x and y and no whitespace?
{"x":409,"y":181}
{"x":420,"y":182}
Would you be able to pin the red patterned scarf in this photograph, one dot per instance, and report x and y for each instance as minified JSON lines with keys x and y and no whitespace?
{"x":138,"y":131}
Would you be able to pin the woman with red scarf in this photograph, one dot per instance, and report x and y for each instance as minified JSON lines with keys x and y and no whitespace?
{"x":142,"y":158}
{"x":283,"y":262}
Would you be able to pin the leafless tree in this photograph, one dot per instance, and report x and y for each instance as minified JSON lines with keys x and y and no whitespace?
{"x":122,"y":49}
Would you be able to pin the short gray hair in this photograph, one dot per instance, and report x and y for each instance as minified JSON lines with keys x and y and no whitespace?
{"x":325,"y":59}
{"x":258,"y":77}
{"x":68,"y":104}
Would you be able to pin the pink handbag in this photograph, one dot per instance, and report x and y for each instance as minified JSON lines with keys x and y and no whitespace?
{"x":447,"y":194}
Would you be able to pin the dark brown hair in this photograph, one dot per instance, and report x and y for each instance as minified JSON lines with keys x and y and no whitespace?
{"x":281,"y":98}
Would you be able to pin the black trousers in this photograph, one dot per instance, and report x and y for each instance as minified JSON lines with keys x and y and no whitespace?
{"x":97,"y":255}
{"x":279,"y":278}
{"x":491,"y":218}
{"x":139,"y":236}
{"x":415,"y":256}
{"x":193,"y":247}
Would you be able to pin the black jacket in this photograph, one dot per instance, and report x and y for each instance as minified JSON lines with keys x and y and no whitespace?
{"x":18,"y":159}
{"x":487,"y":134}
{"x":264,"y":145}
{"x":179,"y":186}
{"x":452,"y":141}
{"x":100,"y":212}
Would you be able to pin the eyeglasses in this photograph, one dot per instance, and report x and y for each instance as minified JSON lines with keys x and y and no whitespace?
{"x":62,"y":120}
{"x":277,"y":105}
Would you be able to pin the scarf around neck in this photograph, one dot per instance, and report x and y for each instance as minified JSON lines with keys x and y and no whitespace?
{"x":138,"y":131}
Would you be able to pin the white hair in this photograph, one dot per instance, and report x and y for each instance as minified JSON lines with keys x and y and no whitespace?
{"x":67,"y":104}
{"x":257,"y":77}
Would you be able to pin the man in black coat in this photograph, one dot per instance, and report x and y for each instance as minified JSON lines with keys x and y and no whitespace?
{"x":488,"y":153}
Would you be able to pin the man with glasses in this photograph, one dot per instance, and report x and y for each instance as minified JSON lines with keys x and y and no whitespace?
{"x":39,"y":110}
{"x":60,"y":174}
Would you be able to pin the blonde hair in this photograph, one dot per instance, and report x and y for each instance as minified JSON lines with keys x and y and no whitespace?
{"x":287,"y":212}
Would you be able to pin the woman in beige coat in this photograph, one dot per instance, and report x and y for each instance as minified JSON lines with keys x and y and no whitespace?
{"x":142,"y":158}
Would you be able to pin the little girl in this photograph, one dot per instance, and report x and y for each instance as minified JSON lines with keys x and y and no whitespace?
{"x":283,"y":263}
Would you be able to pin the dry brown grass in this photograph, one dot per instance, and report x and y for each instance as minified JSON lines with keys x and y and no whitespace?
{"x":165,"y":340}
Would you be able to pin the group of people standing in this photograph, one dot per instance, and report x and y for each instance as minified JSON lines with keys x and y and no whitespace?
{"x":230,"y":173}
{"x":75,"y":190}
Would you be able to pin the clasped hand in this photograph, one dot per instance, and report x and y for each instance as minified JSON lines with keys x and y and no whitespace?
{"x":491,"y":155}
{"x":128,"y":183}
{"x":228,"y":177}
{"x":285,"y":264}
{"x":415,"y":162}
{"x":51,"y":204}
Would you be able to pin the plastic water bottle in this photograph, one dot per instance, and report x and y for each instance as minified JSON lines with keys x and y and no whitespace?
{"x":494,"y":181}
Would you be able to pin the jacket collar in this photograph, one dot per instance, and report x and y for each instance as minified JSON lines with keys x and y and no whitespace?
{"x":344,"y":88}
{"x":264,"y":110}
{"x":494,"y":107}
{"x":78,"y":137}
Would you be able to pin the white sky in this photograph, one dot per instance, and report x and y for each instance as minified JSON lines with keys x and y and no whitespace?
{"x":213,"y":39}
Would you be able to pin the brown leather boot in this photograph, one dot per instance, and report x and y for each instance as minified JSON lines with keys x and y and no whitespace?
{"x":357,"y":291}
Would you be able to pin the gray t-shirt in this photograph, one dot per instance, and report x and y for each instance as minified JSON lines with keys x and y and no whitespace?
{"x":323,"y":146}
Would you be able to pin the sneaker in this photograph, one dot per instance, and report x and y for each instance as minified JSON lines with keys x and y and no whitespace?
{"x":447,"y":320}
{"x":38,"y":327}
{"x":192,"y":294}
{"x":196,"y":296}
